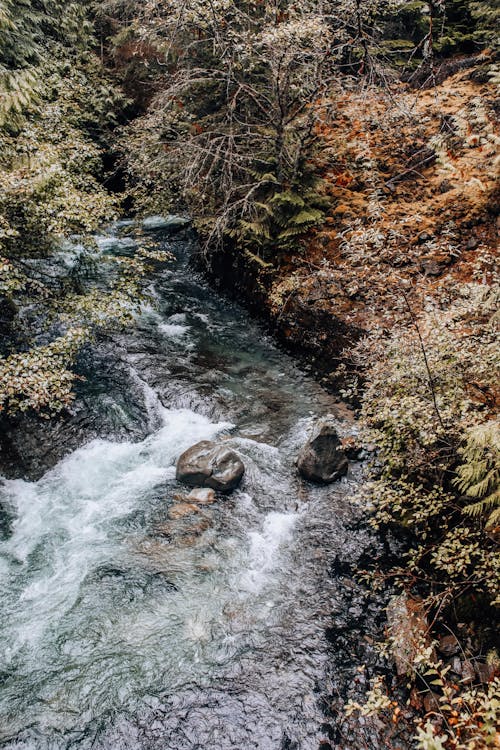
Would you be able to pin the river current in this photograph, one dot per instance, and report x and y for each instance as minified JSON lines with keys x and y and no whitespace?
{"x":132,"y":620}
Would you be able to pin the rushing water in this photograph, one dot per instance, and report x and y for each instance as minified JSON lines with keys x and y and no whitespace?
{"x":129,"y":620}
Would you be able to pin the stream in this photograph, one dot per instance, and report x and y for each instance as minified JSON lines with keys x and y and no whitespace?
{"x":130,"y":620}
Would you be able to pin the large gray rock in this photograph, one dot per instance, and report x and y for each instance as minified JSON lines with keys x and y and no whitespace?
{"x":322,"y":458}
{"x":207,"y":464}
{"x":117,"y":245}
{"x":165,"y":223}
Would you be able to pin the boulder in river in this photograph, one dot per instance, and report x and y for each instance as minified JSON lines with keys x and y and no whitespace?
{"x":165,"y":223}
{"x":322,"y":459}
{"x":207,"y":464}
{"x":117,"y":245}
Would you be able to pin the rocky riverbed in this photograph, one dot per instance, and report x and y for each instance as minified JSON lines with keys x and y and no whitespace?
{"x":138,"y":615}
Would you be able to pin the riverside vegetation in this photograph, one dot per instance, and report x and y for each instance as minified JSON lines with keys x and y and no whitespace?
{"x":345,"y":155}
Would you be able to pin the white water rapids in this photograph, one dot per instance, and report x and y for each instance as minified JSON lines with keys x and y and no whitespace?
{"x":124,"y":625}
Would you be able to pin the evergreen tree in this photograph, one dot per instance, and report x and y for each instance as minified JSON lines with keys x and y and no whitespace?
{"x":232,"y":123}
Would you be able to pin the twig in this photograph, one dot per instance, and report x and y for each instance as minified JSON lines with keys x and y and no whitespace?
{"x":426,"y":361}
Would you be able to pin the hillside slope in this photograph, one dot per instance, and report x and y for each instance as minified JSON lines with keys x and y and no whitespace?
{"x":413,"y":182}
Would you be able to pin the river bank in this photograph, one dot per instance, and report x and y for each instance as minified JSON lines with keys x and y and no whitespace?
{"x":407,"y":261}
{"x":414,"y":213}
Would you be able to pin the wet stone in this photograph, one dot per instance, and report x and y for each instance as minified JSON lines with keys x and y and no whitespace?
{"x":202,"y":495}
{"x":182,"y":509}
{"x":322,"y":459}
{"x":207,"y":464}
{"x":165,"y":223}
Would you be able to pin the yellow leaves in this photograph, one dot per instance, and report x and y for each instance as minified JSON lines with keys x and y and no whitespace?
{"x":40,"y":379}
{"x":377,"y":701}
{"x":11,"y":279}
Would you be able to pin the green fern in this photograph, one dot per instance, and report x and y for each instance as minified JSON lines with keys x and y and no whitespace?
{"x":287,"y":198}
{"x":479,"y":475}
{"x":279,"y":221}
{"x":255,"y":229}
{"x":307,"y":217}
{"x":18,"y":90}
{"x":29,"y":29}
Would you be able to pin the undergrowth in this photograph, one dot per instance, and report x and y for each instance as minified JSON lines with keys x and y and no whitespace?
{"x":429,"y":413}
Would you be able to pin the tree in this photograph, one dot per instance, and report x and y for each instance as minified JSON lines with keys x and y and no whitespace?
{"x":233,"y":122}
{"x":239,"y":84}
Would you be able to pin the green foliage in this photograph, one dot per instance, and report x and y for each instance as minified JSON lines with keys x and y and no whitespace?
{"x":280,"y":221}
{"x":231,"y":129}
{"x":425,"y":415}
{"x":17,"y":90}
{"x":31,"y":32}
{"x":405,"y":34}
{"x":479,"y":475}
{"x":40,"y":378}
{"x":454,"y":28}
{"x":486,"y":14}
{"x":58,"y":108}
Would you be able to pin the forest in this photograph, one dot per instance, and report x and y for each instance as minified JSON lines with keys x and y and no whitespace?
{"x":335,"y":166}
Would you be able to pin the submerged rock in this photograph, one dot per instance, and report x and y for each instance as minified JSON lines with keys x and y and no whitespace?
{"x":322,"y":459}
{"x":163,"y":223}
{"x":202,"y":495}
{"x":180,"y":510}
{"x":117,"y":245}
{"x":207,"y":464}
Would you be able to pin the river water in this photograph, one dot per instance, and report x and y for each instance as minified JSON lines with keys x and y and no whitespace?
{"x":130,"y":620}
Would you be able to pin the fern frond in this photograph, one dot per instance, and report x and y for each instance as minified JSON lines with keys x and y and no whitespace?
{"x":472,"y":473}
{"x":494,"y":519}
{"x":483,"y":506}
{"x":485,"y":485}
{"x":255,"y":228}
{"x":307,"y":217}
{"x":256,"y":259}
{"x":479,"y":475}
{"x":264,"y":207}
{"x":288,"y":198}
{"x":268,"y":177}
{"x":290,"y":232}
{"x":17,"y":91}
